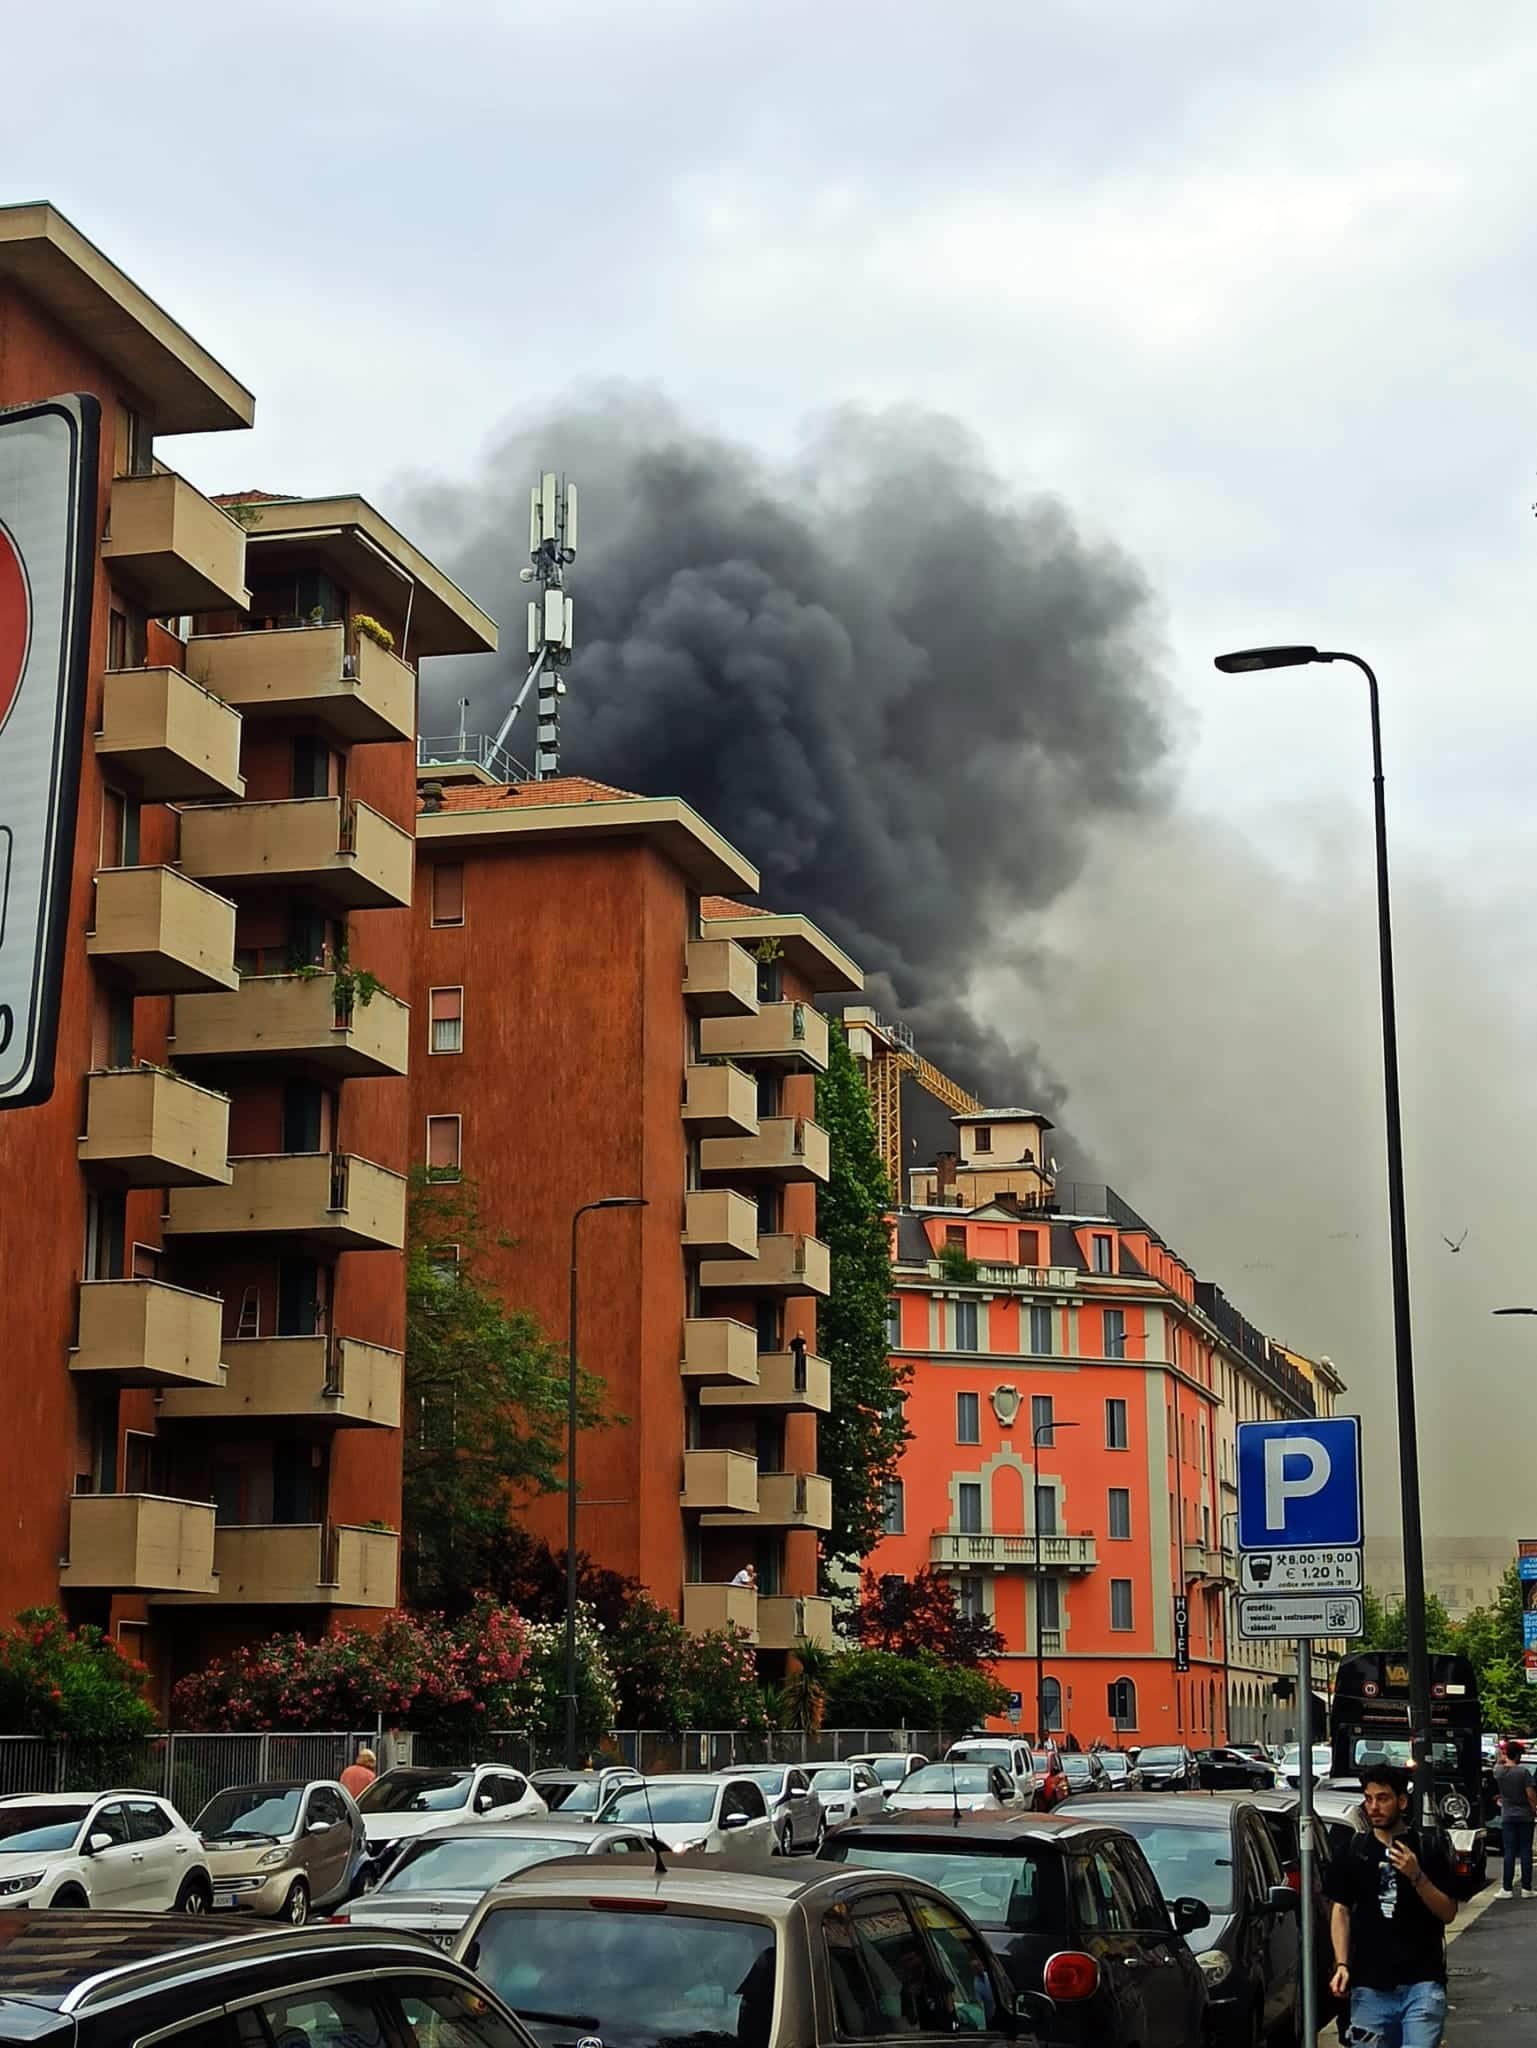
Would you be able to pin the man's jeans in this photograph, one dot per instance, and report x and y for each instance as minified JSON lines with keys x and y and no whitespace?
{"x":1516,"y":1835}
{"x":1413,"y":2016}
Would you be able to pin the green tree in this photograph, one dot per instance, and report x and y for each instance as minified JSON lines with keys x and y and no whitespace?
{"x":485,"y":1398}
{"x":877,"y":1689}
{"x":862,"y":1437}
{"x":1388,"y":1629}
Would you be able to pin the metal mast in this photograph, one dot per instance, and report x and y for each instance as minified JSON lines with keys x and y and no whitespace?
{"x":551,"y":551}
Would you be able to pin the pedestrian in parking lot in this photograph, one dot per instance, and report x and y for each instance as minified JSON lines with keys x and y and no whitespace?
{"x":360,"y":1775}
{"x":1392,"y":1904}
{"x":1518,"y":1815}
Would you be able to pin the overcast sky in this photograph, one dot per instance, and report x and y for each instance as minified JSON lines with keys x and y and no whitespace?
{"x":1249,"y":287}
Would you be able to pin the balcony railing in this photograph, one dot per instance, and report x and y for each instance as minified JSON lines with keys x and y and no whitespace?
{"x":719,"y":1101}
{"x":340,"y":680}
{"x":1203,"y":1561}
{"x":786,"y":1148}
{"x":152,"y":1129}
{"x":332,"y":1199}
{"x":311,"y":1016}
{"x":787,"y":1263}
{"x":304,"y":1564}
{"x":143,"y":1333}
{"x":708,"y":1607}
{"x":720,"y":979}
{"x":1052,"y":1278}
{"x":339,"y":1381}
{"x":139,"y":1543}
{"x":172,"y":548}
{"x":961,"y":1547}
{"x":347,"y":854}
{"x":170,"y":739}
{"x":163,"y":933}
{"x":476,"y":750}
{"x":781,"y":1034}
{"x":784,"y":1380}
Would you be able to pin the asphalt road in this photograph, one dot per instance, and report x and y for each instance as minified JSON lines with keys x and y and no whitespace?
{"x":1492,"y":1992}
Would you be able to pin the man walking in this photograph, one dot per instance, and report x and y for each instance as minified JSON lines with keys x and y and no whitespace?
{"x":1518,"y":1815}
{"x":1391,"y":1893}
{"x":359,"y":1776}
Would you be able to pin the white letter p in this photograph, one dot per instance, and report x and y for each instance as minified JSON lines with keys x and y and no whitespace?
{"x":1279,"y":1489}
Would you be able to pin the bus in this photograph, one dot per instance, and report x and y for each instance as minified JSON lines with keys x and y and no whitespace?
{"x":1369,"y":1721}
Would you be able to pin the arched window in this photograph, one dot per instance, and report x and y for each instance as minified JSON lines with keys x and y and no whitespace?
{"x":1051,"y":1702}
{"x":1122,"y":1702}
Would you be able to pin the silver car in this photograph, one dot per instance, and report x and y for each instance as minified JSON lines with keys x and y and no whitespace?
{"x":848,"y":1792}
{"x":800,"y":1821}
{"x":581,"y":1794}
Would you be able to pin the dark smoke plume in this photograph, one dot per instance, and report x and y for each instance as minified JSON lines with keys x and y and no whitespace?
{"x":905,"y":693}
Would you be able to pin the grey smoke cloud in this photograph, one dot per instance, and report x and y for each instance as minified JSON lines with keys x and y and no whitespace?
{"x":908,"y":693}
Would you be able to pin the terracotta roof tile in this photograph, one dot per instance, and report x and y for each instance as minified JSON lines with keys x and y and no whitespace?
{"x":725,"y":906}
{"x":558,"y":789}
{"x":254,"y":498}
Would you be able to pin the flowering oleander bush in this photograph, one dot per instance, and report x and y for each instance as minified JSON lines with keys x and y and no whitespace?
{"x":55,"y":1680}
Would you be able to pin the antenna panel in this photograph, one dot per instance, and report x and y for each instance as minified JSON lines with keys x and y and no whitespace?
{"x":554,"y":617}
{"x":535,"y":626}
{"x":548,"y":503}
{"x":533,"y":519}
{"x":569,"y":535}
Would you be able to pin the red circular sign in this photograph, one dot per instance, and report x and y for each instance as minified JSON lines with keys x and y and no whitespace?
{"x":15,"y":621}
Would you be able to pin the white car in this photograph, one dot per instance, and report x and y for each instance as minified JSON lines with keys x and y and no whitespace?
{"x":409,"y":1801}
{"x":848,"y":1792}
{"x":891,"y":1766}
{"x":120,"y":1852}
{"x":723,"y":1816}
{"x":1014,"y":1757}
{"x":1291,"y":1764}
{"x":959,"y":1787}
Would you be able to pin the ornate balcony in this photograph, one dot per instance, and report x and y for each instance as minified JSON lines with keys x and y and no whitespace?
{"x":962,"y":1550}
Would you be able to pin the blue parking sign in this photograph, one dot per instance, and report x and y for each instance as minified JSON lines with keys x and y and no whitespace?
{"x":1299,"y":1484}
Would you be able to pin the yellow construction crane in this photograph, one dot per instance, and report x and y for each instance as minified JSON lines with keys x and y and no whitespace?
{"x":884,"y":1052}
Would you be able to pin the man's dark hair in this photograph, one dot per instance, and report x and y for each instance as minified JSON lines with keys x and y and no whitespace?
{"x":1394,"y":1776}
{"x":1514,"y":1751}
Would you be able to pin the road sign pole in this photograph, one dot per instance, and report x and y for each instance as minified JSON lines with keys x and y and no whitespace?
{"x":1305,"y":1833}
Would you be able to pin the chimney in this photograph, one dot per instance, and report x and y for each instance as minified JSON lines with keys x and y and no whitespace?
{"x":945,"y":1165}
{"x":432,"y":796}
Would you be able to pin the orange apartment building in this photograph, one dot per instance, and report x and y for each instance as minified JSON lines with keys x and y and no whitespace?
{"x":597,"y":1017}
{"x":202,"y":1261}
{"x":1020,"y":1303}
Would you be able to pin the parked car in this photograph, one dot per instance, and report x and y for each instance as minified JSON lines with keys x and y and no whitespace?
{"x":1070,"y":1908}
{"x":1167,"y":1767}
{"x":1083,"y":1772}
{"x":891,"y":1766}
{"x":1232,"y":1770}
{"x":799,"y":1817}
{"x":1120,"y":1769}
{"x":102,"y":1980}
{"x":1015,"y":1757}
{"x":851,"y":1792}
{"x":1220,"y":1851}
{"x":960,"y":1788}
{"x":1050,"y":1780}
{"x":435,"y":1882}
{"x":277,"y":1849}
{"x":1281,"y":1811}
{"x":780,"y":1957}
{"x":574,"y":1793}
{"x":1291,"y":1763}
{"x":725,"y":1816}
{"x":411,"y":1801}
{"x":118,"y":1851}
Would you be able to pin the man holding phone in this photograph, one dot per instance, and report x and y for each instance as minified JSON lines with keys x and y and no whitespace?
{"x":1391,"y":1893}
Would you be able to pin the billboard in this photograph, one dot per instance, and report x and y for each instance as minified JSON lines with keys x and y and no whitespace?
{"x":48,"y":534}
{"x":1526,"y":1566}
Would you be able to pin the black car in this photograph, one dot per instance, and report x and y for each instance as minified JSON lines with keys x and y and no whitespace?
{"x":1083,"y":1771}
{"x":1220,"y":1851}
{"x":1168,"y":1767}
{"x":1233,"y":1770}
{"x":106,"y":1980}
{"x":1071,"y":1909}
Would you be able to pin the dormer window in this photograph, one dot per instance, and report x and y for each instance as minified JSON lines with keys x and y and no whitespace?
{"x":982,"y":1138}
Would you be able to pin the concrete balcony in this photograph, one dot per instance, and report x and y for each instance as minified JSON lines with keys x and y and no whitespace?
{"x":786,"y":1148}
{"x":718,"y":1352}
{"x":787,"y":1263}
{"x":163,"y":934}
{"x":791,"y":1035}
{"x":717,"y":1222}
{"x":341,"y":851}
{"x":719,"y":1101}
{"x":149,"y":1129}
{"x":783,"y":1382}
{"x":1204,"y":1561}
{"x":351,"y":687}
{"x":959,"y":1550}
{"x":173,"y":550}
{"x":787,"y":1620}
{"x":707,"y":1608}
{"x":310,"y":1018}
{"x":139,"y":1543}
{"x":725,"y":1481}
{"x":304,"y":1564}
{"x":143,"y":1333}
{"x":336,"y":1380}
{"x":168,"y":738}
{"x":720,"y":979}
{"x":330,"y":1199}
{"x":786,"y":1500}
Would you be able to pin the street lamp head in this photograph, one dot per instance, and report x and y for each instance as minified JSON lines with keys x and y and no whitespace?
{"x":1513,"y":1311}
{"x":1246,"y":659}
{"x":1043,"y":1430}
{"x":622,"y":1202}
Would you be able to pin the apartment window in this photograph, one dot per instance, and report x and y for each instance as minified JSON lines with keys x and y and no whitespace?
{"x":445,"y":1262}
{"x":965,"y":1326}
{"x":770,"y":1322}
{"x":448,"y":892}
{"x":1115,"y":1333}
{"x":133,"y":452}
{"x":894,"y":1321}
{"x":968,"y":1419}
{"x":1040,"y":1332}
{"x":1120,"y":1514}
{"x":1028,"y":1249}
{"x":1104,"y":1254}
{"x":969,"y":1603}
{"x":1115,"y":1426}
{"x":968,"y":1507}
{"x":955,"y":1238}
{"x":1046,"y":1510}
{"x":1051,"y":1700}
{"x":1041,"y":1417}
{"x":443,"y":1146}
{"x":893,"y":1509}
{"x":1203,"y":1446}
{"x":1051,"y":1602}
{"x":1206,"y":1527}
{"x":982,"y":1138}
{"x":769,"y":1210}
{"x":447,"y":1019}
{"x":315,"y":769}
{"x":1120,"y":1603}
{"x":119,"y":830}
{"x":771,"y":981}
{"x":768,"y":1095}
{"x":106,"y":1228}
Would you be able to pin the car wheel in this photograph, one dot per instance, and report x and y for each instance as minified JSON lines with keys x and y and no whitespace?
{"x":783,"y":1842}
{"x":1259,"y":1782}
{"x":821,"y":1841}
{"x":194,"y":1896}
{"x":296,"y":1907}
{"x":69,"y":1895}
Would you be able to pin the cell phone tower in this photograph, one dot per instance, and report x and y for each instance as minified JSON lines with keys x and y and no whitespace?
{"x":551,"y":551}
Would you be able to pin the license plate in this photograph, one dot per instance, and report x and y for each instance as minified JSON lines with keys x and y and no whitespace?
{"x":444,"y":1940}
{"x":222,"y":1900}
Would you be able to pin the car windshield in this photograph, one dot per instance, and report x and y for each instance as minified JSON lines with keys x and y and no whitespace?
{"x":1161,"y":1756}
{"x":631,"y":1974}
{"x":1189,"y":1861}
{"x":570,"y":1795}
{"x":662,"y":1802}
{"x":1012,"y":1886}
{"x":1042,"y":1760}
{"x":1292,"y":1757}
{"x":835,"y":1778}
{"x":984,"y":1753}
{"x":1114,"y":1765}
{"x":1375,"y":1749}
{"x":417,"y":1792}
{"x":463,"y":1865}
{"x":891,"y":1770}
{"x":941,"y":1778}
{"x":25,"y":1828}
{"x":251,"y":1810}
{"x":772,"y":1780}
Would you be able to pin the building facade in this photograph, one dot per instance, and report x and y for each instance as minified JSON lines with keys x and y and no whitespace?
{"x":597,"y":1017}
{"x":203,"y":1265}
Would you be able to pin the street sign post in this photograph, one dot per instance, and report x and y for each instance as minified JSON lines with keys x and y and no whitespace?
{"x":1299,"y":1571}
{"x":1272,"y":1617}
